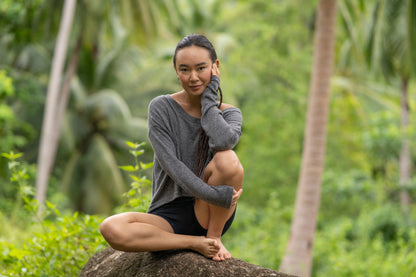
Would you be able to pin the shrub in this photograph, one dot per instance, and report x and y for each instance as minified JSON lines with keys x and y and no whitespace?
{"x":51,"y":244}
{"x":57,"y":245}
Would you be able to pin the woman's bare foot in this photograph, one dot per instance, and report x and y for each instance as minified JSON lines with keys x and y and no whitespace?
{"x":208,"y":247}
{"x":222,"y":253}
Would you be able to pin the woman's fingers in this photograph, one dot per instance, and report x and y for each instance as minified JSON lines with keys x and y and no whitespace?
{"x":215,"y":70}
{"x":236,"y":196}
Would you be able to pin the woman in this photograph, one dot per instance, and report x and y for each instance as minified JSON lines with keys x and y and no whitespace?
{"x":197,"y":178}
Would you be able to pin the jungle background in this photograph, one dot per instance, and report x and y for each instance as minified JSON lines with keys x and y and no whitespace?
{"x":265,"y":49}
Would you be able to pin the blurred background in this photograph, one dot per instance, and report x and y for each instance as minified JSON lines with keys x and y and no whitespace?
{"x":119,"y":57}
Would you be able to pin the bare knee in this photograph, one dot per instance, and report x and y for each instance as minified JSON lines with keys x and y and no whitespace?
{"x":227,"y":164}
{"x":111,"y":231}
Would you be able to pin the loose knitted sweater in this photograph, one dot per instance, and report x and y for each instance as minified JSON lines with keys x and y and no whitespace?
{"x":173,"y":134}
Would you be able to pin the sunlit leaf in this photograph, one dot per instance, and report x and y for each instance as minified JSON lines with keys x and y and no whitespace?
{"x":11,"y":155}
{"x":128,"y":168}
{"x":146,"y":165}
{"x":135,"y":178}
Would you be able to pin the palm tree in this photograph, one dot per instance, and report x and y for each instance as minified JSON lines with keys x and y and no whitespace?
{"x":49,"y":129}
{"x":298,"y":257}
{"x":390,"y":52}
{"x":104,"y":41}
{"x":95,"y":128}
{"x":381,"y":37}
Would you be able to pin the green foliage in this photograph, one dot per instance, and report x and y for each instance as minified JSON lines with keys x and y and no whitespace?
{"x":265,"y":50}
{"x":269,"y":70}
{"x":8,"y":121}
{"x":58,"y":245}
{"x":259,"y":236}
{"x":14,"y":128}
{"x":383,"y":138}
{"x":93,"y":137}
{"x":138,"y":197}
{"x":14,"y":134}
{"x":16,"y":195}
{"x":6,"y":85}
{"x":377,"y":243}
{"x":356,"y":236}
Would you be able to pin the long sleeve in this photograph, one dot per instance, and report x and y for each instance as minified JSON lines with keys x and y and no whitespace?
{"x":164,"y":132}
{"x":223,"y":129}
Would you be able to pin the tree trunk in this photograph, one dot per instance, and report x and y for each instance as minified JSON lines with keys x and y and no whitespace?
{"x":112,"y":263}
{"x":298,"y":256}
{"x":50,"y":125}
{"x":405,"y":160}
{"x":64,"y":97}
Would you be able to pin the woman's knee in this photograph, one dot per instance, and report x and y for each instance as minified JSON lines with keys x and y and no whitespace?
{"x":228,"y":164}
{"x":110,"y":229}
{"x":107,"y":229}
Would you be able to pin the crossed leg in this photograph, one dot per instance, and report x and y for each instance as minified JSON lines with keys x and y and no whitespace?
{"x":224,"y":169}
{"x":136,"y":232}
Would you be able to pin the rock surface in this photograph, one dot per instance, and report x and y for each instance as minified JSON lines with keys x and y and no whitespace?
{"x":109,"y":263}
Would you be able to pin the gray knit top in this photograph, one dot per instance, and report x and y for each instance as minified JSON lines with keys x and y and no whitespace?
{"x":173,"y":134}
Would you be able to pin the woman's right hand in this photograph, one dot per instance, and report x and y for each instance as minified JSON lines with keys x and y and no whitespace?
{"x":236,"y":196}
{"x":215,"y":70}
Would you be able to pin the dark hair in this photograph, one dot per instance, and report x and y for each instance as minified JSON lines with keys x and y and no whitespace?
{"x":203,"y":147}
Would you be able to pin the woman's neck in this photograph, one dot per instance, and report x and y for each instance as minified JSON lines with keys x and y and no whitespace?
{"x":191,"y":104}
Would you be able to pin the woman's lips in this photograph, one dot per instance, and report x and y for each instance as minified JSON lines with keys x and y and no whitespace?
{"x":195,"y":87}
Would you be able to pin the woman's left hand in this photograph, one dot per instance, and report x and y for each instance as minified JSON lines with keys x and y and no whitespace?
{"x":236,"y":196}
{"x":215,"y":70}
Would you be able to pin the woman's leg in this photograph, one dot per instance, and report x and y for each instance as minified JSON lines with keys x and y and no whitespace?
{"x":136,"y":232}
{"x":224,"y":169}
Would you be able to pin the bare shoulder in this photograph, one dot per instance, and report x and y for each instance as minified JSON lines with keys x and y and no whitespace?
{"x":225,"y":106}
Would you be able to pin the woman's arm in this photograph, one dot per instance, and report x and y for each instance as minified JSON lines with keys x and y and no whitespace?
{"x":164,"y":149}
{"x":222,"y":127}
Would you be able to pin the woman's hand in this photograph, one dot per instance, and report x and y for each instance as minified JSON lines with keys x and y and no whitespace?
{"x":236,"y":196}
{"x":215,"y":70}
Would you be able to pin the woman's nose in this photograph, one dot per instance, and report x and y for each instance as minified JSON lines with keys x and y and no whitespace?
{"x":193,"y":76}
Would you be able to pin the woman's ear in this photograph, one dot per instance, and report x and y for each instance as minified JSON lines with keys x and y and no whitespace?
{"x":217,"y":62}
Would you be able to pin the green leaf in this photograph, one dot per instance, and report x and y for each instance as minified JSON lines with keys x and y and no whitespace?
{"x":128,"y":168}
{"x":136,"y":152}
{"x":134,"y":145}
{"x":146,"y":166}
{"x":131,"y":144}
{"x":12,"y":156}
{"x":135,"y":178}
{"x":53,"y":208}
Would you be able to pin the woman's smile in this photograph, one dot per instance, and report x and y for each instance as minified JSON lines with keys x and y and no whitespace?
{"x":194,"y":67}
{"x":195,"y":87}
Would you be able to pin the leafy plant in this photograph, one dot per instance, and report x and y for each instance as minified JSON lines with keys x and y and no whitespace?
{"x":58,"y":245}
{"x":138,"y":197}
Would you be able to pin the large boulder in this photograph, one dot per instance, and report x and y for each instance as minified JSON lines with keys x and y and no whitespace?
{"x":109,"y":263}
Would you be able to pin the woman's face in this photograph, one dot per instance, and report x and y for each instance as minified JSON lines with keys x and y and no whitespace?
{"x":194,"y":67}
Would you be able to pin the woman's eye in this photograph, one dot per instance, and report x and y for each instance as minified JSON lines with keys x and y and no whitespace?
{"x":202,"y":68}
{"x":183,"y":70}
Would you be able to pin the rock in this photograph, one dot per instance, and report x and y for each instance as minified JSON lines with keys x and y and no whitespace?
{"x":111,"y":263}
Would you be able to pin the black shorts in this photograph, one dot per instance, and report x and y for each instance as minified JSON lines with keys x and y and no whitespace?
{"x":181,"y":216}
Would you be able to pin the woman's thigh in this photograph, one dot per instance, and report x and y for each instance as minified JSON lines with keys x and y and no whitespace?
{"x":124,"y":220}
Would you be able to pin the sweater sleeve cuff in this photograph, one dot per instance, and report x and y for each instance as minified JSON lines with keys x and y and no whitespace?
{"x":209,"y":97}
{"x":226,"y":198}
{"x":216,"y":79}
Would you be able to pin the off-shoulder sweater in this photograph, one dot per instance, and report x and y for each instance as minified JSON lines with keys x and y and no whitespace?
{"x":173,"y":134}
